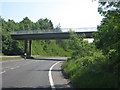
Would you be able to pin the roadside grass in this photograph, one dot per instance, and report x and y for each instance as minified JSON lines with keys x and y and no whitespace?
{"x":10,"y":58}
{"x":34,"y":57}
{"x":1,"y":54}
{"x":17,"y":58}
{"x":47,"y":56}
{"x":90,"y":72}
{"x":87,"y":79}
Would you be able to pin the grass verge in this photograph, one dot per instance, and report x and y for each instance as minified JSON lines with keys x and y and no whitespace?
{"x":91,"y":75}
{"x":17,"y":58}
{"x":10,"y":58}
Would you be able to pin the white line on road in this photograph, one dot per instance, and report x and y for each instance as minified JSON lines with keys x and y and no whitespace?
{"x":2,"y":72}
{"x":15,"y":67}
{"x":6,"y":67}
{"x":50,"y":76}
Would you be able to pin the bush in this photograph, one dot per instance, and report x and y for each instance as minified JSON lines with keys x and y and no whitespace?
{"x":91,"y":70}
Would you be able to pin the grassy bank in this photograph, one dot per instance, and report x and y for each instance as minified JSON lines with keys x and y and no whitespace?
{"x":84,"y":73}
{"x":89,"y":67}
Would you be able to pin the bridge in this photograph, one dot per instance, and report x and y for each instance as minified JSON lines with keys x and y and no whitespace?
{"x":30,"y":35}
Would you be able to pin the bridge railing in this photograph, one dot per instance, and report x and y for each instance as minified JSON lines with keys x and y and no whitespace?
{"x":35,"y":31}
{"x":53,"y":30}
{"x":80,"y":29}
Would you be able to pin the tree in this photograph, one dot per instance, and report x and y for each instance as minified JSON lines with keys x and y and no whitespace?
{"x":108,"y":36}
{"x":13,"y":47}
{"x":44,"y":24}
{"x":26,"y":24}
{"x":58,"y":28}
{"x":9,"y":46}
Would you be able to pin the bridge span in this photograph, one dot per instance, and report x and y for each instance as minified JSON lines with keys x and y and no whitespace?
{"x":47,"y":35}
{"x":28,"y":36}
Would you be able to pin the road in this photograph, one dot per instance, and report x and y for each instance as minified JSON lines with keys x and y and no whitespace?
{"x":34,"y":73}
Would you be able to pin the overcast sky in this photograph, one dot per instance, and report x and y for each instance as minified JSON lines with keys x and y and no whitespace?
{"x":69,"y":13}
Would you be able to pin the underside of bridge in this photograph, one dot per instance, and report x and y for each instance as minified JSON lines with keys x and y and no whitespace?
{"x":43,"y":36}
{"x":47,"y":36}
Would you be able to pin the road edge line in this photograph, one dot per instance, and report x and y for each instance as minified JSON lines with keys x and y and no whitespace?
{"x":50,"y":76}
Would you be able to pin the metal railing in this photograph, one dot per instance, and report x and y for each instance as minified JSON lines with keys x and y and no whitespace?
{"x":53,"y":30}
{"x":35,"y":31}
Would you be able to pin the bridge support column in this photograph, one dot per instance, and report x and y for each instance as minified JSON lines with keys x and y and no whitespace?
{"x":30,"y":48}
{"x":26,"y":47}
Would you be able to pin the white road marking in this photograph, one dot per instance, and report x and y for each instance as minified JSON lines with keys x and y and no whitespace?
{"x":15,"y":67}
{"x":50,"y":76}
{"x":12,"y":61}
{"x":2,"y":72}
{"x":6,"y":67}
{"x":12,"y":68}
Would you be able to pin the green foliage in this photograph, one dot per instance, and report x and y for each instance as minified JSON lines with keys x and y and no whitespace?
{"x":81,"y":48}
{"x":39,"y":47}
{"x":87,"y":72}
{"x":92,"y":65}
{"x":108,"y":36}
{"x":45,"y":24}
{"x":9,"y":46}
{"x":49,"y":47}
{"x":89,"y":67}
{"x":97,"y":65}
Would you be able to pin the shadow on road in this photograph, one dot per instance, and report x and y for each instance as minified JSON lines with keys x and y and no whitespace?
{"x":47,"y":87}
{"x":50,"y":59}
{"x":39,"y":88}
{"x":56,"y":70}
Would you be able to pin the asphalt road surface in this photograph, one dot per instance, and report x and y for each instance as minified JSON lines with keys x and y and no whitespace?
{"x":34,"y":73}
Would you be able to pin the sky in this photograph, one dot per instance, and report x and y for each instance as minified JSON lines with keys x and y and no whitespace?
{"x":67,"y":13}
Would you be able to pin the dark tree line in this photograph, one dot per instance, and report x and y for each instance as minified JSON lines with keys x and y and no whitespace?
{"x":12,"y":47}
{"x":108,"y":36}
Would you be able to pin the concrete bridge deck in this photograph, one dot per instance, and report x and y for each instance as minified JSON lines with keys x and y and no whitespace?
{"x":48,"y":35}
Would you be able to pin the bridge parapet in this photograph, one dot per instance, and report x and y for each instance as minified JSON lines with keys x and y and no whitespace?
{"x":79,"y":29}
{"x":34,"y":31}
{"x":90,"y":29}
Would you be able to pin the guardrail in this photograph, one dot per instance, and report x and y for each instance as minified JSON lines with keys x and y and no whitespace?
{"x":35,"y":31}
{"x":53,"y":30}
